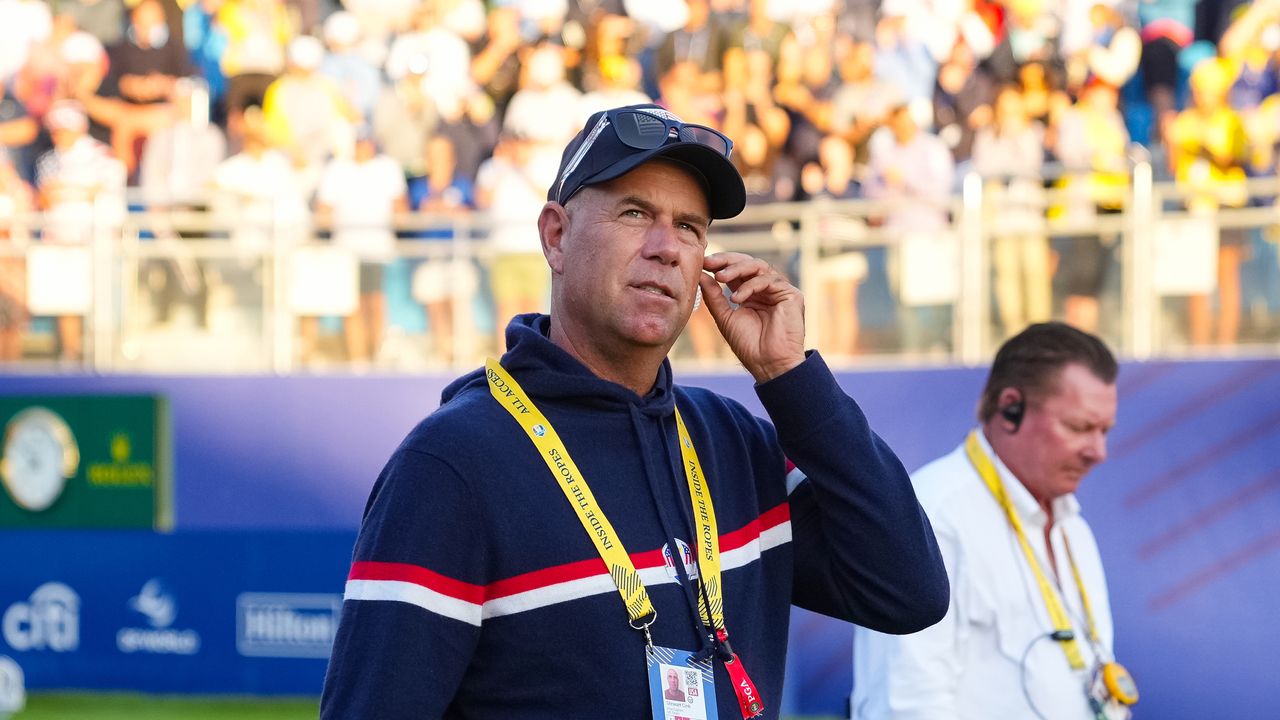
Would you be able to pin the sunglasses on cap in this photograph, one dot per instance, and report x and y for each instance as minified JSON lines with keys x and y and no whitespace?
{"x":645,"y":130}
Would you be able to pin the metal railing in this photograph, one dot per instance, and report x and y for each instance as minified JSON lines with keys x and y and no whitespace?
{"x":254,"y":296}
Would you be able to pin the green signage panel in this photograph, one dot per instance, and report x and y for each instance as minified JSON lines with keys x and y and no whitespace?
{"x":85,"y":461}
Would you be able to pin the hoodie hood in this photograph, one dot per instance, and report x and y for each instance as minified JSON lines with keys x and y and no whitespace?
{"x":547,"y":372}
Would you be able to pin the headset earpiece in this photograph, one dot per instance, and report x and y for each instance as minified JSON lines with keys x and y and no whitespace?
{"x":1013,"y":413}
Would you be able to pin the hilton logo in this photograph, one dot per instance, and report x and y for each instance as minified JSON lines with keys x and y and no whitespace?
{"x":298,"y":625}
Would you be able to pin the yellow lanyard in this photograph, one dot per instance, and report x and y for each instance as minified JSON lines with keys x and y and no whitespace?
{"x":509,"y":394}
{"x":1057,"y":613}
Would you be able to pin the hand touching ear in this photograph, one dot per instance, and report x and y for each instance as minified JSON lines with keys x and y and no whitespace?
{"x":766,"y":329}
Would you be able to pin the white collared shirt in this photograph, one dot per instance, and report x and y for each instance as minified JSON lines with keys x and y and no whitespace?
{"x":991,"y":656}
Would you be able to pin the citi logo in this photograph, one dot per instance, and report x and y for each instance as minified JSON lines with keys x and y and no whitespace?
{"x":49,"y":620}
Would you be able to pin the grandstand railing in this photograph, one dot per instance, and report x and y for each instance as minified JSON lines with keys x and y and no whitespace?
{"x":259,"y":280}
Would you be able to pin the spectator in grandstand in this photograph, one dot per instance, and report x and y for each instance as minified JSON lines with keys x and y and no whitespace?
{"x":1208,"y":149}
{"x":856,"y":19}
{"x":103,"y":19}
{"x":548,"y":21}
{"x":758,"y":33}
{"x":1091,"y":145}
{"x":180,"y":159}
{"x":495,"y":65}
{"x":259,"y":196}
{"x":1001,"y":504}
{"x":1030,"y":36}
{"x":943,"y":24}
{"x":257,"y":33}
{"x":1256,"y":96}
{"x":473,"y":127}
{"x":148,"y":62}
{"x":912,"y":172}
{"x":176,"y":173}
{"x":16,"y":201}
{"x":543,"y":110}
{"x":359,"y":80}
{"x":861,"y":103}
{"x":1009,"y":155}
{"x":80,"y":184}
{"x":206,"y":41}
{"x":654,"y":20}
{"x":681,"y":92}
{"x":305,"y":111}
{"x":437,"y":281}
{"x":841,"y":271}
{"x":608,"y":36}
{"x":142,"y":71}
{"x":624,"y":232}
{"x":381,"y":20}
{"x":466,"y":18}
{"x":804,"y":88}
{"x":510,"y":186}
{"x":749,"y":99}
{"x":1113,"y":52}
{"x":1043,"y":96}
{"x":902,"y":59}
{"x":692,"y":56}
{"x":619,"y":79}
{"x":962,"y":104}
{"x":446,"y":72}
{"x":81,"y":188}
{"x":360,"y":198}
{"x":17,"y":129}
{"x":24,"y":24}
{"x":41,"y":79}
{"x":404,"y":118}
{"x":768,"y":174}
{"x":1166,"y":27}
{"x":80,"y":68}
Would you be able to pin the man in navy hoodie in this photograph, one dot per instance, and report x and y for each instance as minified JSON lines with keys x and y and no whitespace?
{"x":570,"y":524}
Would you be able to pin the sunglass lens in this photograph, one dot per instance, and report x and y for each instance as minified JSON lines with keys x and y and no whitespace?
{"x":705,"y":136}
{"x":641,"y":130}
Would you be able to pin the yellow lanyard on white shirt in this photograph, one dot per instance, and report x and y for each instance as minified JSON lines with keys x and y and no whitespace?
{"x":1057,"y":612}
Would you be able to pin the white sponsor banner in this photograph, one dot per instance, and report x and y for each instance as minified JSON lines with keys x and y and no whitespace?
{"x":59,"y":279}
{"x":930,"y":266}
{"x":324,"y":281}
{"x":1185,"y":256}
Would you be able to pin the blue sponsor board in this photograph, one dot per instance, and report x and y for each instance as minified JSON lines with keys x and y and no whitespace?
{"x":196,"y":612}
{"x":1184,"y":510}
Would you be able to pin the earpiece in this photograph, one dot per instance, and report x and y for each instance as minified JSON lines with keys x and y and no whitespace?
{"x":697,"y":298}
{"x":1013,"y":413}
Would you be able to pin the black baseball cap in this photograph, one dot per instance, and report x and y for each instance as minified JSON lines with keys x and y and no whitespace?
{"x":615,"y":142}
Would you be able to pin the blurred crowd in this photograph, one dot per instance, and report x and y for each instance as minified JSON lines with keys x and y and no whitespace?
{"x":304,"y":113}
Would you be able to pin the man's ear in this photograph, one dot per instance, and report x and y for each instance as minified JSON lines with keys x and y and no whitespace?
{"x":553,"y":222}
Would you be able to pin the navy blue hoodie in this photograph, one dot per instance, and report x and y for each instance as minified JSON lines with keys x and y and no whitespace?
{"x":475,"y":592}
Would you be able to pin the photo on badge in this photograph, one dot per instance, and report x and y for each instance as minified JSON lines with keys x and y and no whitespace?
{"x":681,"y":687}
